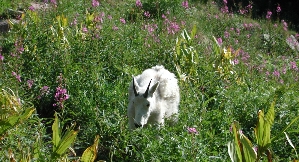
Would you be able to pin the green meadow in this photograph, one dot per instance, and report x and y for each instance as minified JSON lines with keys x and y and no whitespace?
{"x":65,"y":69}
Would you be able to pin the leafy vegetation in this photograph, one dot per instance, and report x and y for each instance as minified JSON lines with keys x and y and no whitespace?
{"x":73,"y":62}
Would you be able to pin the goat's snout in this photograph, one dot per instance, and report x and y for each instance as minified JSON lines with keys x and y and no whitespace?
{"x":137,"y":125}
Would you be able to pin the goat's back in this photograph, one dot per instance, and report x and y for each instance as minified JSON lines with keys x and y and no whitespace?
{"x":168,"y":87}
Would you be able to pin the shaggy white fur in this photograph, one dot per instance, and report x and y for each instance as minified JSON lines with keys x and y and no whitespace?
{"x":153,"y":96}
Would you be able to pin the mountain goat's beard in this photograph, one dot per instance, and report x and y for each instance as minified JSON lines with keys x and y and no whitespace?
{"x":141,"y":119}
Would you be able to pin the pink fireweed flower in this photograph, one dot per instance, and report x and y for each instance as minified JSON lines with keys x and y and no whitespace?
{"x":54,"y":2}
{"x":115,"y":28}
{"x":278,"y":9}
{"x":122,"y":20}
{"x":84,"y":29}
{"x":138,"y":4}
{"x":31,"y":8}
{"x":99,"y":18}
{"x":109,"y":17}
{"x":284,"y":70}
{"x":293,"y":65}
{"x":30,"y":83}
{"x":74,"y":22}
{"x":249,"y":6}
{"x":185,"y":4}
{"x":147,"y":14}
{"x":44,"y":90}
{"x":95,"y":3}
{"x":285,"y":25}
{"x":268,"y":16}
{"x":238,"y":31}
{"x":1,"y":57}
{"x":219,"y":41}
{"x":163,"y":16}
{"x":192,"y":130}
{"x":224,"y":9}
{"x":173,"y":28}
{"x":60,"y":96}
{"x":18,"y":77}
{"x":276,"y":73}
{"x":226,"y":34}
{"x":235,"y":61}
{"x":242,"y":11}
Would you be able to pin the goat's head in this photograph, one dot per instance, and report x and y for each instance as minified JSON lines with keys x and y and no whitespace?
{"x":143,"y":102}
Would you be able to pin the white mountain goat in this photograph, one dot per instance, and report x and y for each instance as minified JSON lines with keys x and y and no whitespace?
{"x":153,"y":96}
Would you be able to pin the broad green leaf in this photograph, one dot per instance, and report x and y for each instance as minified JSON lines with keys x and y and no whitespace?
{"x":90,"y":154}
{"x":66,"y":141}
{"x":56,"y":132}
{"x":232,"y":151}
{"x":12,"y":121}
{"x":259,"y":130}
{"x":263,"y":129}
{"x":193,"y":32}
{"x":8,"y":123}
{"x":186,"y":36}
{"x":249,"y":153}
{"x":235,"y":128}
{"x":178,"y":48}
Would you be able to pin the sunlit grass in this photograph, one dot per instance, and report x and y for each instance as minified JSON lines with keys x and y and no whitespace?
{"x":77,"y":59}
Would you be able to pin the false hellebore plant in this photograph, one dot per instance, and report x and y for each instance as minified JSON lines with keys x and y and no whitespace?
{"x":241,"y":148}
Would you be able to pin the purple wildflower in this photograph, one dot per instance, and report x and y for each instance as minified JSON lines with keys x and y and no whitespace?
{"x":192,"y":130}
{"x":31,"y":8}
{"x":30,"y":83}
{"x":147,"y":14}
{"x":226,"y":34}
{"x":54,"y":2}
{"x":219,"y":41}
{"x":84,"y":29}
{"x":173,"y":28}
{"x":60,"y":96}
{"x":115,"y":28}
{"x":185,"y":4}
{"x":1,"y":57}
{"x":44,"y":90}
{"x":285,"y":25}
{"x":276,"y":73}
{"x":95,"y":3}
{"x":278,"y":9}
{"x":74,"y":22}
{"x":268,"y":16}
{"x":122,"y":20}
{"x":238,"y":31}
{"x":138,"y":4}
{"x":293,"y":65}
{"x":163,"y":16}
{"x":18,"y":77}
{"x":235,"y":61}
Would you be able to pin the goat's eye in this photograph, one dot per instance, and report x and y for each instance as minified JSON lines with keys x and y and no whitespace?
{"x":147,"y":104}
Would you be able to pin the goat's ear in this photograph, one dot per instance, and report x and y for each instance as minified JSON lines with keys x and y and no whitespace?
{"x":153,"y":89}
{"x":135,"y":87}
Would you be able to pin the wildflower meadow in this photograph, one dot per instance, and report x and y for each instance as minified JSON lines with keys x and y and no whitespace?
{"x":66,"y":66}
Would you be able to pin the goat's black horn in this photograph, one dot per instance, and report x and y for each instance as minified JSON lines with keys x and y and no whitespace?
{"x":147,"y":89}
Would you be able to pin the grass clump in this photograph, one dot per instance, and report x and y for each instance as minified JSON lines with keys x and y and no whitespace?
{"x":77,"y":58}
